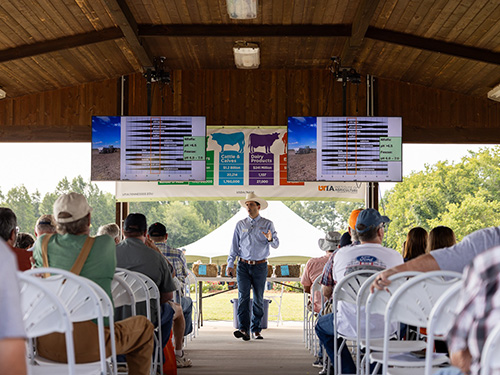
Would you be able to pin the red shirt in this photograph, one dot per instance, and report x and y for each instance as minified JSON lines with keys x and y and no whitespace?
{"x":23,"y":258}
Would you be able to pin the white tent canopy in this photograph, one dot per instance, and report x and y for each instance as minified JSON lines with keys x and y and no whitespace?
{"x":298,"y":239}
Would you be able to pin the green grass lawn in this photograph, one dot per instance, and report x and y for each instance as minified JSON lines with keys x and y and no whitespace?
{"x":220,"y":307}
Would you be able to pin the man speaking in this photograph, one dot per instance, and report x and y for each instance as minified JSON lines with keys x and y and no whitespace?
{"x":251,"y":240}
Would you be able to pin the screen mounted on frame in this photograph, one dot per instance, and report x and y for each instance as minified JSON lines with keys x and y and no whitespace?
{"x":367,"y":149}
{"x":148,"y":148}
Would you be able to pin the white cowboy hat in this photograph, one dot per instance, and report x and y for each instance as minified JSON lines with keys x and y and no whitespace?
{"x":253,"y":198}
{"x":330,"y":242}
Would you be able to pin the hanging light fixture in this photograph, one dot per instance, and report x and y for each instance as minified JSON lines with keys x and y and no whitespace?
{"x":246,"y":55}
{"x":242,"y":9}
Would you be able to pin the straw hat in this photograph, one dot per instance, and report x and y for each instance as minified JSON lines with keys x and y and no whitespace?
{"x":330,"y":242}
{"x":253,"y":198}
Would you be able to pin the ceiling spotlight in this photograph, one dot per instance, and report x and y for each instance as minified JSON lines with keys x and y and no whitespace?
{"x":242,"y":9}
{"x":3,"y":94}
{"x":494,"y":94}
{"x":246,"y":55}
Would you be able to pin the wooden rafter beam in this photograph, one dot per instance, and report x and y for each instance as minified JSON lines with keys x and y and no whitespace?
{"x":364,"y":14}
{"x":123,"y":17}
{"x":453,"y":49}
{"x":244,"y":30}
{"x":60,"y":44}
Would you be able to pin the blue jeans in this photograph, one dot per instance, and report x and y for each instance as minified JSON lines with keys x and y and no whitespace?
{"x":324,"y":330}
{"x":251,"y":277}
{"x":187,"y":309}
{"x":449,"y":371}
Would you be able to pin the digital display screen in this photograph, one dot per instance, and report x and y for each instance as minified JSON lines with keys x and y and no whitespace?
{"x":148,"y":148}
{"x":367,"y":149}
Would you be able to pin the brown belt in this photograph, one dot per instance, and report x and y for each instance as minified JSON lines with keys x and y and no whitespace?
{"x":253,"y":262}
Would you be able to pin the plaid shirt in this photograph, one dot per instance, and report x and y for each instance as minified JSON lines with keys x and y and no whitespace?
{"x":178,"y":260}
{"x":478,"y":307}
{"x":327,"y":275}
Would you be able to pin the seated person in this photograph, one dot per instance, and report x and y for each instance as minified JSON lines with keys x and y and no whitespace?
{"x":157,"y":233}
{"x":133,"y":336}
{"x":478,"y":313}
{"x":133,"y":254}
{"x":8,"y":232}
{"x":370,"y":230}
{"x":12,"y":333}
{"x":313,"y":269}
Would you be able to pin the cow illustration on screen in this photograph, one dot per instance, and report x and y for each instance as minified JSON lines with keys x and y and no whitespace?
{"x":285,"y":142}
{"x":230,"y":139}
{"x":262,"y":140}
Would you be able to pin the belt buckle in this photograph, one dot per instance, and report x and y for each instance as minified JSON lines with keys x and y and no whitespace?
{"x":252,"y":262}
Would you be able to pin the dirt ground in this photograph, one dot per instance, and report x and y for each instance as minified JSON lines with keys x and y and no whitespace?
{"x":105,"y":167}
{"x":301,"y":167}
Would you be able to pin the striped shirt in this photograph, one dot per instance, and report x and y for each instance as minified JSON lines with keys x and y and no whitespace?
{"x":478,"y":307}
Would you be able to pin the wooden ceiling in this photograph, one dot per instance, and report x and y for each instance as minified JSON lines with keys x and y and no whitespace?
{"x":452,"y":45}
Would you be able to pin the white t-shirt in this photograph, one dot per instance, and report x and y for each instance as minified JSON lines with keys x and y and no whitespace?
{"x":456,"y":257}
{"x":368,"y":256}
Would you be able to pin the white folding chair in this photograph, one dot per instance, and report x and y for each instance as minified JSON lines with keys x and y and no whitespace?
{"x":346,"y":290}
{"x":154,"y":295}
{"x":375,"y":309}
{"x":363,"y":293}
{"x":313,"y":317}
{"x":143,"y":289}
{"x":190,"y":280}
{"x":412,"y":303}
{"x":490,"y":360}
{"x":140,"y":290}
{"x":84,"y":300}
{"x":44,"y":313}
{"x":441,"y":320}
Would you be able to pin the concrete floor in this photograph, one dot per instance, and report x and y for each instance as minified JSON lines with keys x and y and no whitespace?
{"x":215,"y":351}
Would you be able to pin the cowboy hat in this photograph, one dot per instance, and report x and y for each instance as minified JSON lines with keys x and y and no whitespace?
{"x":251,"y":197}
{"x":330,"y":242}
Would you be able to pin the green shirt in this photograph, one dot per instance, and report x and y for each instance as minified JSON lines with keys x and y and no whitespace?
{"x":63,"y":249}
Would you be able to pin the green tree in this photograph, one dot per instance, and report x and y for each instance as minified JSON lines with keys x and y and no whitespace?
{"x":25,"y":206}
{"x":463,"y":196}
{"x":216,"y":212}
{"x":324,"y":215}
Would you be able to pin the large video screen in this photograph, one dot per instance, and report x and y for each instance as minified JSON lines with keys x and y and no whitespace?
{"x":148,"y":148}
{"x":367,"y":149}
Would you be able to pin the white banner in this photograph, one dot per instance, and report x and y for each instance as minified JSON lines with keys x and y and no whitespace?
{"x":242,"y":160}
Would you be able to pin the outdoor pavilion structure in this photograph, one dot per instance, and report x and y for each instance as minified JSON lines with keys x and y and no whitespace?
{"x":430,"y":62}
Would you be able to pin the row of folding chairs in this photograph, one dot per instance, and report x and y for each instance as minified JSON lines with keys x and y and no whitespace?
{"x":310,"y":316}
{"x":130,"y":288}
{"x":417,"y":299}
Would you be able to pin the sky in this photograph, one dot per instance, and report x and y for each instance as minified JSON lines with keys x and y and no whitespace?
{"x":42,"y":165}
{"x":301,"y":132}
{"x":105,"y":131}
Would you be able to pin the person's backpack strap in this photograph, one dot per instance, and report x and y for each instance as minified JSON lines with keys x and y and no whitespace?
{"x":82,"y":257}
{"x":45,"y":257}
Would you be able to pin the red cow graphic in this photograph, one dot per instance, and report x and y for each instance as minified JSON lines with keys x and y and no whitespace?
{"x":285,"y":142}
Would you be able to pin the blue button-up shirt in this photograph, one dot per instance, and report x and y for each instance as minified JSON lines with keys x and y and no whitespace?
{"x":249,"y":242}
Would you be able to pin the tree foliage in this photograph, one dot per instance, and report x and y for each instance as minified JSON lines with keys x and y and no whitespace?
{"x":324,"y":215}
{"x":463,"y":196}
{"x":29,"y":207}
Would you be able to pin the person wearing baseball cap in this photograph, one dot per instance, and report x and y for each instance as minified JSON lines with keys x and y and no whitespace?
{"x":368,"y":255}
{"x":138,"y":253}
{"x":251,"y":240}
{"x":157,"y":233}
{"x":71,"y":248}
